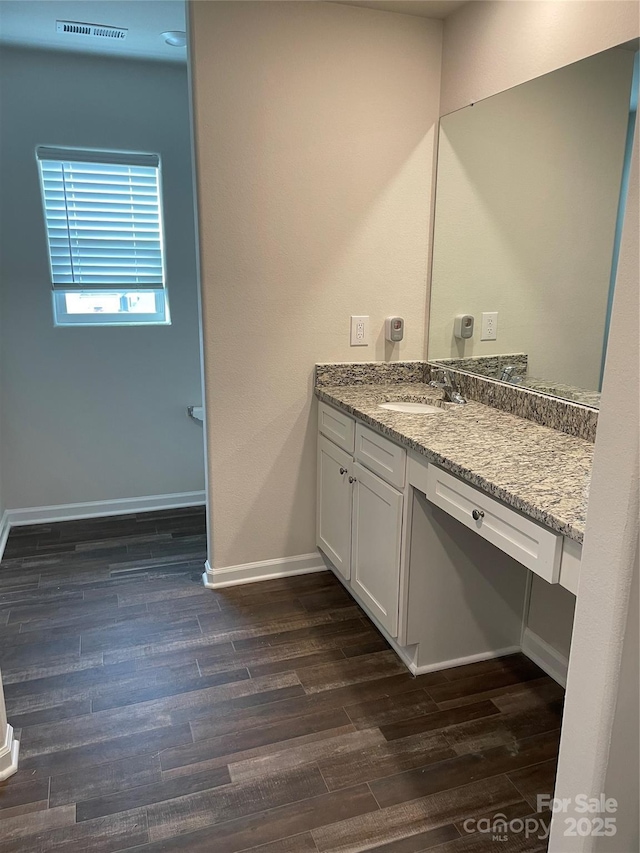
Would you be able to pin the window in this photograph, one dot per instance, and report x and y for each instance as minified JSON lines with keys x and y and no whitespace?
{"x":103,"y":214}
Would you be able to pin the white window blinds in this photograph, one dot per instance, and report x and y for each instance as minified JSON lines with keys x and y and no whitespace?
{"x":104,"y":219}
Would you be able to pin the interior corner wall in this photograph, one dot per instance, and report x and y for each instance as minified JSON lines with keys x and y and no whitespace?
{"x":491,"y":45}
{"x":315,"y":126}
{"x":97,"y":413}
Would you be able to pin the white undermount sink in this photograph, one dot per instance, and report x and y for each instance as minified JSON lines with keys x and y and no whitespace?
{"x":410,"y":408}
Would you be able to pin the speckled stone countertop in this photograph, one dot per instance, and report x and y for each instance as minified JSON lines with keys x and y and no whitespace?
{"x":567,"y":392}
{"x":542,"y":472}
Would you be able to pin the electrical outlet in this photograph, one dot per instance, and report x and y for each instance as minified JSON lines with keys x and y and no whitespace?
{"x":359,"y":331}
{"x":489,"y":326}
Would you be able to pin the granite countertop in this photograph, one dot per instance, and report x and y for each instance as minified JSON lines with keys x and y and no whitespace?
{"x":568,"y":392}
{"x":540,"y":471}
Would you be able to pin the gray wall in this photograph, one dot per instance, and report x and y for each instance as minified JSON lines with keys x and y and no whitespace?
{"x":2,"y":507}
{"x":91,"y":414}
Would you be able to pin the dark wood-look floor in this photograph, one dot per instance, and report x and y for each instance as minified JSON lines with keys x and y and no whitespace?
{"x":156,"y":715}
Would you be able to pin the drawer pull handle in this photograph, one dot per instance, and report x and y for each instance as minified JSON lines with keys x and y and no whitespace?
{"x":477,"y":514}
{"x":352,"y":479}
{"x":343,"y":470}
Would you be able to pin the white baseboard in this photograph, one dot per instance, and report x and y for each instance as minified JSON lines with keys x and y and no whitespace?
{"x":407,"y":654}
{"x":263,"y":570}
{"x":5,"y":527}
{"x":97,"y":509}
{"x":547,"y":658}
{"x":8,"y":753}
{"x":449,"y":664}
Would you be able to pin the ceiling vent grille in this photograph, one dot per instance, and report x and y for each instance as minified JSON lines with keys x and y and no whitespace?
{"x":96,"y":30}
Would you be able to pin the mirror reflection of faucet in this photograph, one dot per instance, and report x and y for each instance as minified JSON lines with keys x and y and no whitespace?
{"x":509,"y":375}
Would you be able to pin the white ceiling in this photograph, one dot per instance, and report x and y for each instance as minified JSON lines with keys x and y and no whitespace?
{"x":421,"y":8}
{"x":33,"y":23}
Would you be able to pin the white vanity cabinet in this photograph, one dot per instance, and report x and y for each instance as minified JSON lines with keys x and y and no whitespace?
{"x":333,"y":508}
{"x":359,"y":514}
{"x":376,"y":537}
{"x":438,"y":564}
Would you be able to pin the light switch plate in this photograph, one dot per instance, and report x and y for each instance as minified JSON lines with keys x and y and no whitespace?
{"x":489,"y":326}
{"x":359,"y":331}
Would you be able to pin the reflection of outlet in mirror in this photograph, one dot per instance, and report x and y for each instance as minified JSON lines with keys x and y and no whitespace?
{"x":359,"y":331}
{"x":489,"y":326}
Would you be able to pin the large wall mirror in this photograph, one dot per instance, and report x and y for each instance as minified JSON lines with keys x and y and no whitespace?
{"x":529,"y":208}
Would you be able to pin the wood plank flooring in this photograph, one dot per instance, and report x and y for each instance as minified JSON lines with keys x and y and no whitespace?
{"x":157,"y":715}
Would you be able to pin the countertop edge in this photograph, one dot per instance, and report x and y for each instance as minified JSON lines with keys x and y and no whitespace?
{"x":548,"y":519}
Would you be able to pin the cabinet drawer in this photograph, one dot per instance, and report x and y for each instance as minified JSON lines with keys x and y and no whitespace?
{"x":531,"y":544}
{"x":340,"y":428}
{"x":381,"y":456}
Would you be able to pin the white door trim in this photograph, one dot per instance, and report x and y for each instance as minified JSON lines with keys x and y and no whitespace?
{"x":5,"y":527}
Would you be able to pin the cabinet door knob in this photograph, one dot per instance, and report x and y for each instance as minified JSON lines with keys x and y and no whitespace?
{"x":477,"y":514}
{"x":343,"y":470}
{"x":352,"y":479}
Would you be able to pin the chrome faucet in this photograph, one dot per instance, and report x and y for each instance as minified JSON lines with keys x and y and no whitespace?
{"x":508,"y":375}
{"x":448,"y":385}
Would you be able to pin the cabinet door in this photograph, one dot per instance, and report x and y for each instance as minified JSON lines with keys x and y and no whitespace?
{"x":375,"y":550}
{"x":333,"y":523}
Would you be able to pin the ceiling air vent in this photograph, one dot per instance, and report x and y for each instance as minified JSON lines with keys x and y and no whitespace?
{"x":96,"y":30}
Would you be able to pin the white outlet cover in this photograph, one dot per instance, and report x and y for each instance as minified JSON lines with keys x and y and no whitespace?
{"x":359,"y":336}
{"x":489,"y":330}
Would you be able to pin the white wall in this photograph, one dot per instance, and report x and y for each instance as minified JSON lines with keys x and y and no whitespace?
{"x":622,"y":777}
{"x":92,"y":414}
{"x":528,"y":190}
{"x":600,"y":705}
{"x":314,"y":136}
{"x":492,"y":45}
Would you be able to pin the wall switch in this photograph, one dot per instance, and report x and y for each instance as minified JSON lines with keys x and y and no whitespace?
{"x":359,"y":331}
{"x":489,"y":326}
